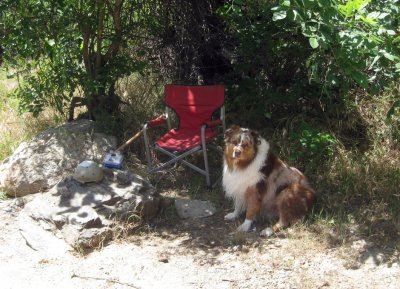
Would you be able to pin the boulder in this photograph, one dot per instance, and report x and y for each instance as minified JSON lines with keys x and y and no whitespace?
{"x":41,"y":163}
{"x":84,"y":214}
{"x":81,"y":203}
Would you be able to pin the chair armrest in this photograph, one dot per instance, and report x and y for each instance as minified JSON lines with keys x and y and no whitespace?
{"x":157,"y":121}
{"x":213,"y":123}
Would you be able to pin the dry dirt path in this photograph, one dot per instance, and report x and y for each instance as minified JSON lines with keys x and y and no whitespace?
{"x":189,"y":255}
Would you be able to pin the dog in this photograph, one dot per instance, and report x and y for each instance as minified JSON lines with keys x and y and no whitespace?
{"x":261,"y":184}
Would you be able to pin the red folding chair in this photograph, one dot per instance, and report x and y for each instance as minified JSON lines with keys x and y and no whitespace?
{"x":195,"y":107}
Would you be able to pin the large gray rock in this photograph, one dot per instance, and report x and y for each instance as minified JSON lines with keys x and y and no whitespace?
{"x":44,"y":161}
{"x":84,"y":215}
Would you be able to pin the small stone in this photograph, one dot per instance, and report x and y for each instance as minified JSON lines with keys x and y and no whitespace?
{"x":88,"y":171}
{"x":359,"y":245}
{"x":194,"y":209}
{"x":94,"y":238}
{"x":19,"y":202}
{"x":163,"y":258}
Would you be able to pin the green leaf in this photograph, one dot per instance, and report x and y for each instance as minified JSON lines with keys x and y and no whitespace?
{"x":387,"y":55}
{"x":376,"y":58}
{"x":331,"y":78}
{"x":396,"y":40}
{"x":268,"y":115}
{"x":279,"y":15}
{"x":50,"y":42}
{"x":373,"y":14}
{"x":360,"y":78}
{"x":313,"y":42}
{"x":383,"y":15}
{"x":392,"y":110}
{"x":391,"y":32}
{"x":368,"y":20}
{"x":295,"y":14}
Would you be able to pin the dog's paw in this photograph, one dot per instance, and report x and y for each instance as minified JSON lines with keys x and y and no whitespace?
{"x":267,"y":232}
{"x":245,"y":226}
{"x":231,"y":216}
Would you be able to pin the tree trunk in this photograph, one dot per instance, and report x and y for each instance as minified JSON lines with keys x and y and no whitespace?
{"x":104,"y":104}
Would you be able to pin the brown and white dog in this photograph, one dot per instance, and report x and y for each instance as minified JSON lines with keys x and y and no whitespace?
{"x":262,"y":184}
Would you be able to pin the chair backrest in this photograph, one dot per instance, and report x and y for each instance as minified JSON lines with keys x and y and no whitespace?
{"x":194,"y":105}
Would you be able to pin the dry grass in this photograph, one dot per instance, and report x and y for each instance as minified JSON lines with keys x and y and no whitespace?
{"x":16,"y":127}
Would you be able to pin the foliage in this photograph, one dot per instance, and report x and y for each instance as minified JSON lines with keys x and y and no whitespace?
{"x":308,"y":53}
{"x":269,"y":60}
{"x":313,"y":143}
{"x":267,"y":52}
{"x":352,"y":41}
{"x":3,"y":196}
{"x":69,"y":48}
{"x":77,"y":48}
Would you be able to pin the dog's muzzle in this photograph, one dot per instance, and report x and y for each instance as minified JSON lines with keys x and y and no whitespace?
{"x":237,"y":152}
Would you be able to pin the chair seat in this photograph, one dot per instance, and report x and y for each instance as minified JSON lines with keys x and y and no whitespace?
{"x":184,"y":139}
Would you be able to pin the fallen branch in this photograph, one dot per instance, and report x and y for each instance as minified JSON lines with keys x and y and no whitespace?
{"x":105,"y":279}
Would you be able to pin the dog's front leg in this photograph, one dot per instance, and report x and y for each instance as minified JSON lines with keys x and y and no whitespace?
{"x":233,"y":215}
{"x":253,"y":203}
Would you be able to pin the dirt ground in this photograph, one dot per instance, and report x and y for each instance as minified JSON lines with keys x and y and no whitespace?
{"x":207,"y":253}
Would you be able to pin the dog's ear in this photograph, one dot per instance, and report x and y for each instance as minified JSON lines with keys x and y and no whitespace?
{"x":229,"y":132}
{"x":234,"y":127}
{"x":256,"y":136}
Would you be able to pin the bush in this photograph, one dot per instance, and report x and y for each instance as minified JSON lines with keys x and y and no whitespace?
{"x":312,"y":143}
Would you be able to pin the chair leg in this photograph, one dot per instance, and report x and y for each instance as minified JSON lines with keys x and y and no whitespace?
{"x":206,"y":168}
{"x":147,"y":148}
{"x":203,"y":143}
{"x":178,"y":158}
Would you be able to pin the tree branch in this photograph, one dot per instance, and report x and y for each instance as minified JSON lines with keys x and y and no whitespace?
{"x":116,"y":43}
{"x":111,"y":280}
{"x":100,"y":28}
{"x":85,"y":53}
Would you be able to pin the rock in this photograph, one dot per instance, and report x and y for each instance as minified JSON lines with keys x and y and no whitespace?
{"x":372,"y":257}
{"x":359,"y":245}
{"x":70,"y":234}
{"x":40,"y":239}
{"x":88,"y":171}
{"x":194,"y":209}
{"x":94,"y":238}
{"x":83,"y":214}
{"x":85,"y":217}
{"x":41,"y":163}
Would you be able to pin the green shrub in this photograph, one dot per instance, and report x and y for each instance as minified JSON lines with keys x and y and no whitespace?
{"x":312,"y":143}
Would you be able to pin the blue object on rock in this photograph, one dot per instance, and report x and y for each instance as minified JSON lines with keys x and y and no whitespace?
{"x":113,"y":160}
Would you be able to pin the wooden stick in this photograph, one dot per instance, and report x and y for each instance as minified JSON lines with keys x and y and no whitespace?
{"x":131,"y":140}
{"x":104,"y":279}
